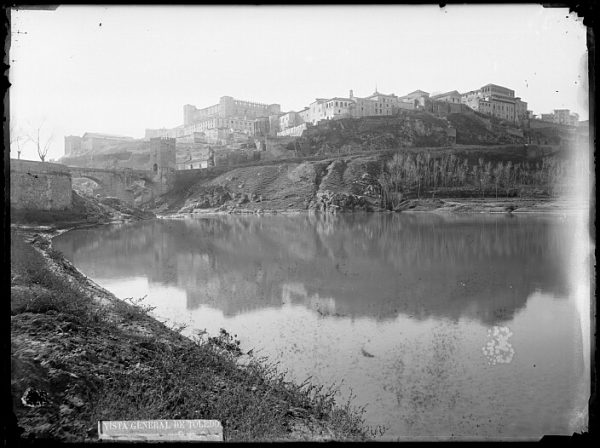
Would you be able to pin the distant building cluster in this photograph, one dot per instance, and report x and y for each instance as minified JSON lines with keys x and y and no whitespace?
{"x":211,"y":132}
{"x":561,"y":116}
{"x":229,"y":116}
{"x":491,"y":99}
{"x":91,"y":141}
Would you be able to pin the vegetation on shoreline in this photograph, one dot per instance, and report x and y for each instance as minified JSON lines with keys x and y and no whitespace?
{"x":384,"y":180}
{"x":422,"y":175}
{"x":79,"y":355}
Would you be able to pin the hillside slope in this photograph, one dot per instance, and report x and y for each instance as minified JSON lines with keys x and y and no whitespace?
{"x":354,"y":182}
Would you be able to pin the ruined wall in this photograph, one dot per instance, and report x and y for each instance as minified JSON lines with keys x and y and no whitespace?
{"x":39,"y":185}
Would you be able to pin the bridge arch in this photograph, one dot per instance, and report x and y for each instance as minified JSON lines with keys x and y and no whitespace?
{"x":77,"y":175}
{"x":122,"y":183}
{"x":84,"y":188}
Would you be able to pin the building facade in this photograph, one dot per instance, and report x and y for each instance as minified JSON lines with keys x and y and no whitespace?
{"x":496,"y":101}
{"x":521,"y":110}
{"x":449,"y":97}
{"x":230,"y":114}
{"x":289,"y":120}
{"x":229,"y":107}
{"x":564,"y":116}
{"x":72,"y":144}
{"x":92,"y":141}
{"x":417,"y":99}
{"x":561,"y":116}
{"x":377,"y":104}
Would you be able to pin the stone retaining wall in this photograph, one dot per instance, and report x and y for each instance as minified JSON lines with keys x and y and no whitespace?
{"x":39,"y":185}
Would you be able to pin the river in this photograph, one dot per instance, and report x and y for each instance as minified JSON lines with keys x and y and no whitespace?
{"x":467,"y":326}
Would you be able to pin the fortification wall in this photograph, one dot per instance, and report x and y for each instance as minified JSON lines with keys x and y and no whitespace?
{"x":39,"y":185}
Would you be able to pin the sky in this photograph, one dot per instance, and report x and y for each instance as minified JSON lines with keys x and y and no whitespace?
{"x":121,"y":70}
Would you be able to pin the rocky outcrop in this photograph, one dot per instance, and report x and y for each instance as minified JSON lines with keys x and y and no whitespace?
{"x":211,"y":197}
{"x":344,"y":136}
{"x":332,"y":202}
{"x":473,"y":129}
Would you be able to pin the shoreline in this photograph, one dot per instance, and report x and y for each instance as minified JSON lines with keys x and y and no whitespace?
{"x":437,"y":205}
{"x":299,"y":412}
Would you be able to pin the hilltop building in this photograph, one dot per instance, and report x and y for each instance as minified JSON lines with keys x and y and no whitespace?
{"x":231,"y":124}
{"x":497,"y":101}
{"x":449,"y":97}
{"x":229,"y":115}
{"x":561,"y":116}
{"x":92,"y":141}
{"x":289,"y":120}
{"x":229,"y":107}
{"x":377,"y":104}
{"x":417,"y":99}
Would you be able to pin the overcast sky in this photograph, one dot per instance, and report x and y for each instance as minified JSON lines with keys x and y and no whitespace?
{"x":121,"y":70}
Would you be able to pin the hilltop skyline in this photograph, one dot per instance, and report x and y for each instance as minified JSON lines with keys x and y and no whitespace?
{"x":121,"y":70}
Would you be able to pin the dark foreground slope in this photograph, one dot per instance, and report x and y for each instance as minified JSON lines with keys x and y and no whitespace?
{"x":79,"y":355}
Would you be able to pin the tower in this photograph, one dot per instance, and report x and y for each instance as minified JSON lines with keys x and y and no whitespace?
{"x":188,"y":114}
{"x":162,"y":161}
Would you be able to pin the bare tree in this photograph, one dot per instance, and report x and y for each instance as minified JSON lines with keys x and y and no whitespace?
{"x":42,"y":143}
{"x":16,"y":140}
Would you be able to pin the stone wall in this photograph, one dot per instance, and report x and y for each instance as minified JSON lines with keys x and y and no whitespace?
{"x":39,"y":185}
{"x":443,"y":108}
{"x":295,"y":131}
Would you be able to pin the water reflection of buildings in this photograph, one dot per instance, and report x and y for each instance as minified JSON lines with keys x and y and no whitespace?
{"x":294,"y":293}
{"x":358,"y":265}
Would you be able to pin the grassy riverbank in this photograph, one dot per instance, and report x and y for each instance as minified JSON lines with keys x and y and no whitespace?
{"x":80,"y":355}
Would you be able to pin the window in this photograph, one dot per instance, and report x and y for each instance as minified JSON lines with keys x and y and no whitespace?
{"x":336,"y":104}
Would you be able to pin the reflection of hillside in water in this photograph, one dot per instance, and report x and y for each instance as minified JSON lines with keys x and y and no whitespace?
{"x":484,"y":267}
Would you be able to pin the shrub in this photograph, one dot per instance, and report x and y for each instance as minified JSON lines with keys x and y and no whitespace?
{"x":43,"y":290}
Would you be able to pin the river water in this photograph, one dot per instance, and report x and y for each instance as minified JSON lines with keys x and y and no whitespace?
{"x":465,"y":326}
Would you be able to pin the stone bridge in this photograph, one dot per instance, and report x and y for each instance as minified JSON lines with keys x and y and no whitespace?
{"x":120,"y":183}
{"x":47,"y":186}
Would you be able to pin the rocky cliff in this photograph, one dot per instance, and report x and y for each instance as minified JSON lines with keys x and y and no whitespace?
{"x":345,"y":183}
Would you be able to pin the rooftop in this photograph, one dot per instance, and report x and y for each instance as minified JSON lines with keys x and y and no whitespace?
{"x":420,"y":92}
{"x":452,"y":93}
{"x":100,"y":135}
{"x":376,"y":93}
{"x":496,"y":85}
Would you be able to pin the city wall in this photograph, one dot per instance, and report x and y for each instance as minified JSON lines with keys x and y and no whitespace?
{"x":39,"y":185}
